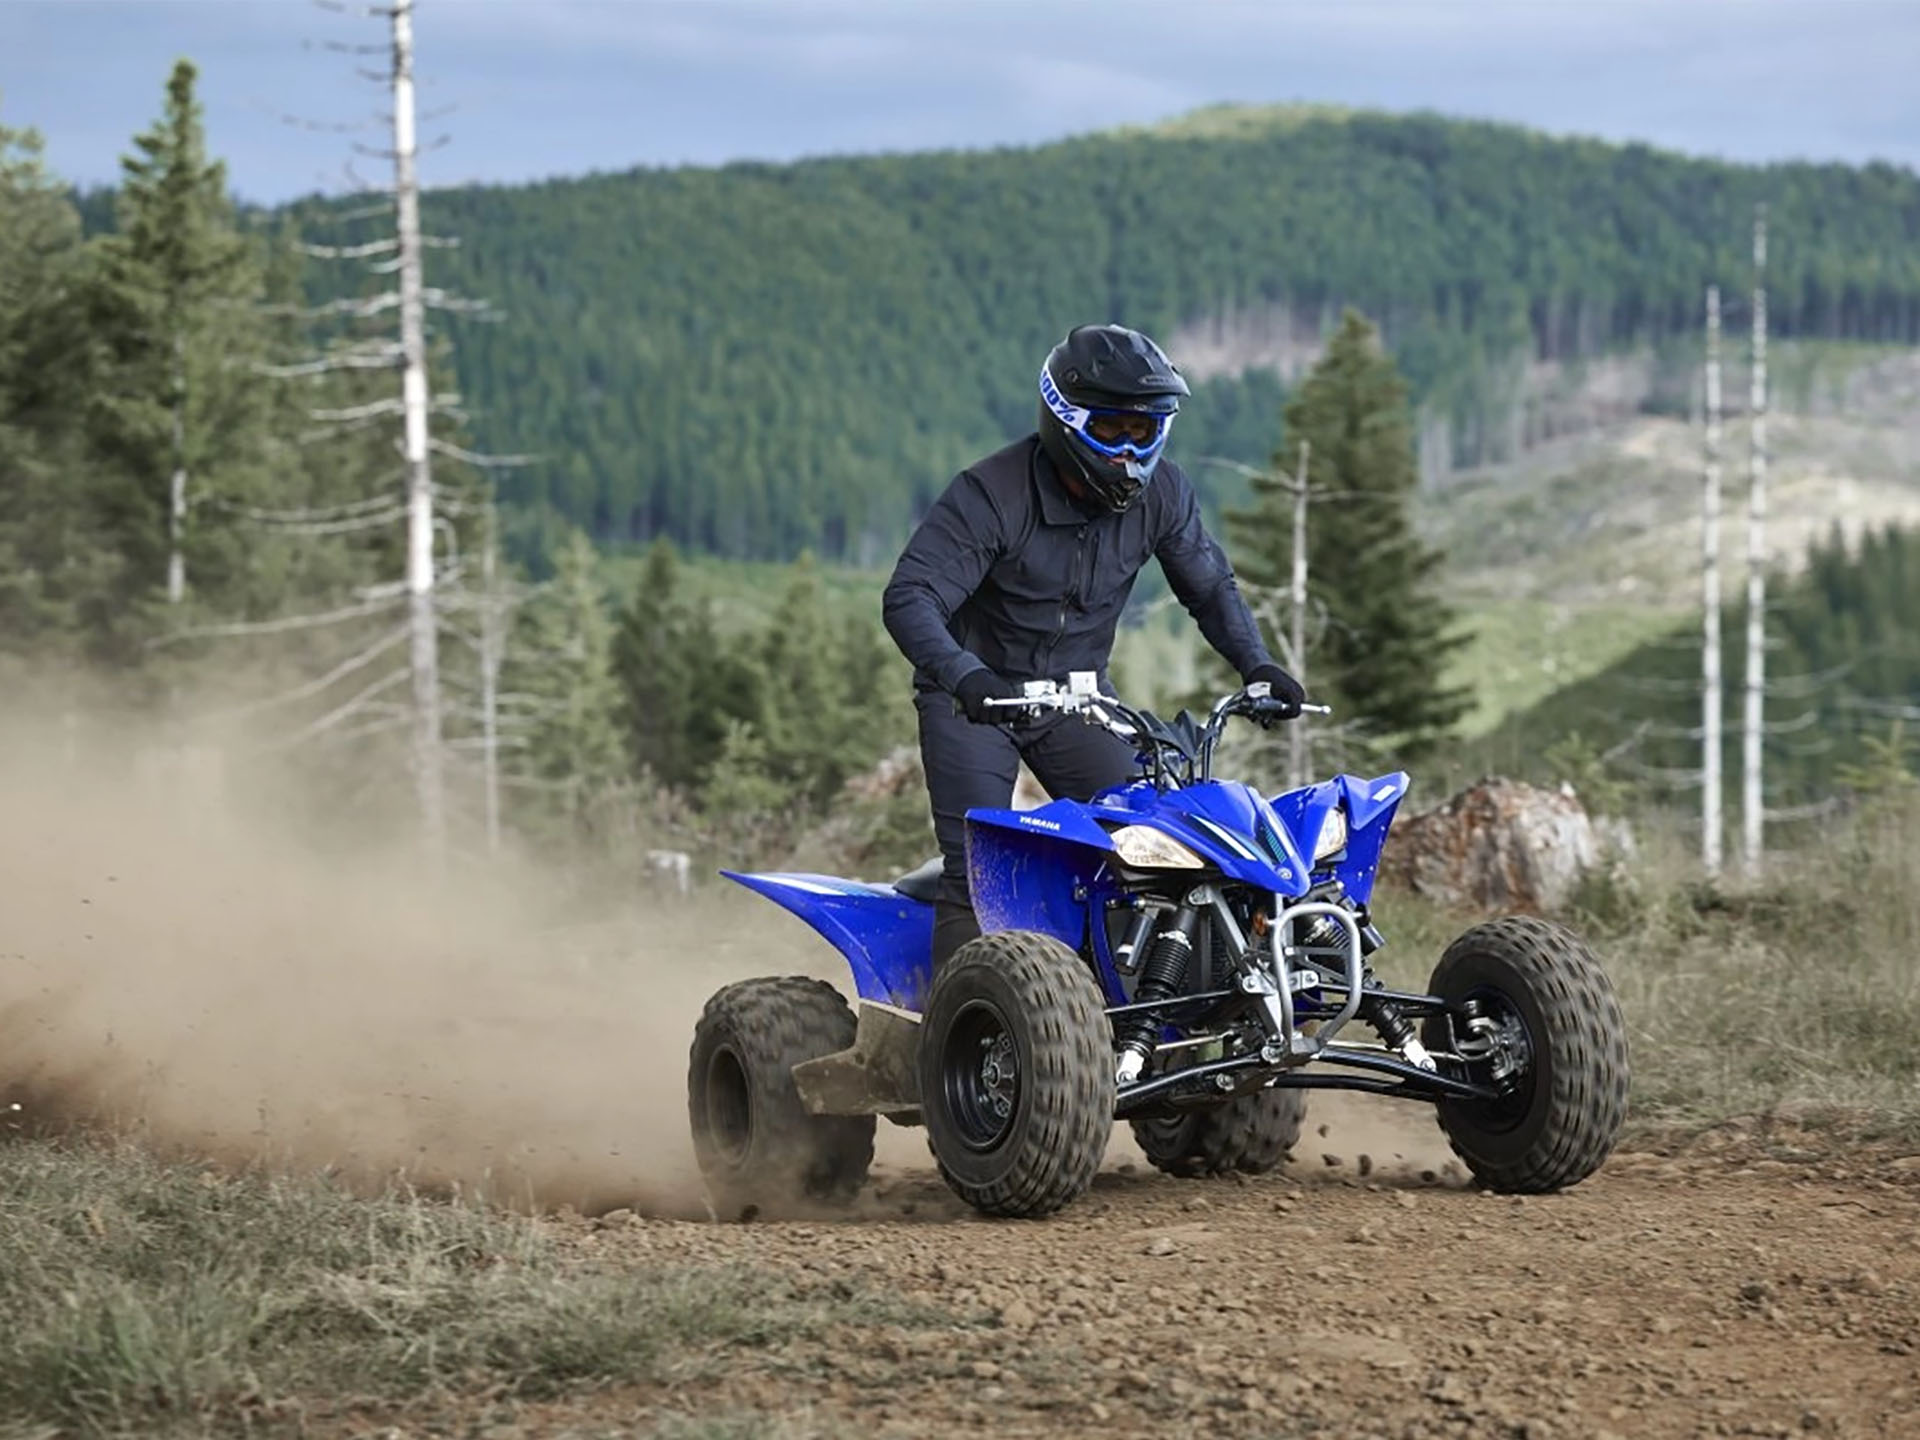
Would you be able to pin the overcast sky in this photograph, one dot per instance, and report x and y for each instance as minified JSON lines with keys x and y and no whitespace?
{"x":546,"y":87}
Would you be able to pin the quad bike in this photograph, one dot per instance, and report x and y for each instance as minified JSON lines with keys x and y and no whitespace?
{"x":1180,"y":952}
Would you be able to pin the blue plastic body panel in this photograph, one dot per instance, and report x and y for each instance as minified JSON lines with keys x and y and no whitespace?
{"x":1370,"y":806}
{"x":1053,"y":870}
{"x":887,"y":938}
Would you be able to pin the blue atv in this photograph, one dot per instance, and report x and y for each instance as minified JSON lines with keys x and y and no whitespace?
{"x":1180,"y":952}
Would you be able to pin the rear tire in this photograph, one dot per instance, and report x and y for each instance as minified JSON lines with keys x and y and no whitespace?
{"x":1016,"y":1074}
{"x":1561,"y":1120}
{"x":756,"y":1143}
{"x":1250,"y":1133}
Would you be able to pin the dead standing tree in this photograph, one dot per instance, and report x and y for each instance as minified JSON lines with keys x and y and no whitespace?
{"x":428,"y":513}
{"x":1712,"y":712}
{"x":423,"y":642}
{"x":1753,"y":813}
{"x":1270,"y":603}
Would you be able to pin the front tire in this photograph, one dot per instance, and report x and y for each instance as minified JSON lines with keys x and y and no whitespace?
{"x":1561,"y":1118}
{"x":756,"y":1143}
{"x":1016,"y":1074}
{"x":1250,"y":1133}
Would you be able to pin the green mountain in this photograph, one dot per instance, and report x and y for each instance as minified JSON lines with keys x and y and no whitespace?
{"x":762,"y":358}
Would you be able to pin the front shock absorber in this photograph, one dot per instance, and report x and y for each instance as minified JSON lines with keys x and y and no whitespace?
{"x":1162,"y":977}
{"x":1393,"y":1026}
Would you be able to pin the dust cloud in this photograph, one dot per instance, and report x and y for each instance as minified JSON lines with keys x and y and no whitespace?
{"x":178,"y":964}
{"x":174,"y":966}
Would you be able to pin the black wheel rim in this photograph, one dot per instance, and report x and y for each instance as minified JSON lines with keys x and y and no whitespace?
{"x":980,"y":1075}
{"x":729,"y":1107}
{"x":1511,"y":1108}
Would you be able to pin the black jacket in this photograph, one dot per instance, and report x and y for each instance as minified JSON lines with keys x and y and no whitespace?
{"x":1007,"y":571}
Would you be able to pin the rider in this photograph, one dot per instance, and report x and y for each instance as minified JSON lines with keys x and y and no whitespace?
{"x":1020,"y":571}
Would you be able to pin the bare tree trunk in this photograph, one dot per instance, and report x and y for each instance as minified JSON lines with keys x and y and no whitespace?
{"x":1297,"y":734}
{"x":1753,"y":793}
{"x":490,"y":657}
{"x":1712,"y":706}
{"x":429,"y":781}
{"x":177,"y":497}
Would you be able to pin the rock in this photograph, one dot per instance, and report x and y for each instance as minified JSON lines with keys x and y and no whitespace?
{"x":1017,"y":1315}
{"x":983,"y":1370}
{"x":1162,"y":1245}
{"x":1365,"y":1162}
{"x":1865,"y":1282}
{"x":1448,"y":1390}
{"x":1497,"y":845}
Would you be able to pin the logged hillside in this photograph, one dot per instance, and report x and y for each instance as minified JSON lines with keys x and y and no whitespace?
{"x":762,"y":358}
{"x":1843,"y":678}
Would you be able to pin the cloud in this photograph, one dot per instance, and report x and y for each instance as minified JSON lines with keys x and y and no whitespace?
{"x":570,"y":85}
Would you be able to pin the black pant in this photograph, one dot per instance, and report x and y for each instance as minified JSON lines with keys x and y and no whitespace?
{"x":971,"y":766}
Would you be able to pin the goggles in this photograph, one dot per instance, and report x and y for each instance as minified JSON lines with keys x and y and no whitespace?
{"x":1117,"y":434}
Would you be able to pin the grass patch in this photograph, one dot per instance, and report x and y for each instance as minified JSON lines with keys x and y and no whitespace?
{"x":1523,"y":650}
{"x":1803,"y":990}
{"x":140,"y":1296}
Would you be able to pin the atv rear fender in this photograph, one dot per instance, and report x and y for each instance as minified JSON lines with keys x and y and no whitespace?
{"x":886,"y":938}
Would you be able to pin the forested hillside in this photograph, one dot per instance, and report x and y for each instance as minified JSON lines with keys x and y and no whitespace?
{"x":760,"y":358}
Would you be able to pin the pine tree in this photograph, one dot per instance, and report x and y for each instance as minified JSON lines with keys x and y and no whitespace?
{"x":1381,"y":657}
{"x":50,"y":559}
{"x":180,"y":419}
{"x":565,"y":667}
{"x":803,"y":682}
{"x":654,"y":669}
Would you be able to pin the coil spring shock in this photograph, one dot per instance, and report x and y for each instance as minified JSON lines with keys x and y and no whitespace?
{"x":1161,"y":978}
{"x":1383,"y":1014}
{"x":1386,"y":1017}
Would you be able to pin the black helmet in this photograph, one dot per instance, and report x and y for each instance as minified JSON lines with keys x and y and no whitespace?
{"x":1107,"y":398}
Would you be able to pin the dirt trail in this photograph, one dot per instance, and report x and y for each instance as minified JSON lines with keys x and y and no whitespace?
{"x":1749,"y":1282}
{"x":239,"y":998}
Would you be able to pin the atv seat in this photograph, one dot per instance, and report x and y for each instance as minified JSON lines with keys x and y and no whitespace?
{"x":920,"y":884}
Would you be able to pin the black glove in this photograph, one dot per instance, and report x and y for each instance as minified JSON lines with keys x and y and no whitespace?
{"x":1285,"y":695}
{"x":980,"y":686}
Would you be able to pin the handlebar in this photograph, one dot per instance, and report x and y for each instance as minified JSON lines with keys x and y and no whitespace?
{"x":1081,"y":695}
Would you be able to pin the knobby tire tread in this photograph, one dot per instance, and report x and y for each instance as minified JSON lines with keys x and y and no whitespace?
{"x":1587,"y":1099}
{"x":1250,"y":1133}
{"x":774,"y":1023}
{"x":1066,"y":1081}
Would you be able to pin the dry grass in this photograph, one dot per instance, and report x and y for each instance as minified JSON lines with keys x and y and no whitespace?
{"x":1803,"y":990}
{"x":146,"y":1297}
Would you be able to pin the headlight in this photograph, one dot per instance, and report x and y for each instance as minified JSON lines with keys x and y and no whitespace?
{"x":1333,"y":835}
{"x":1146,"y":848}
